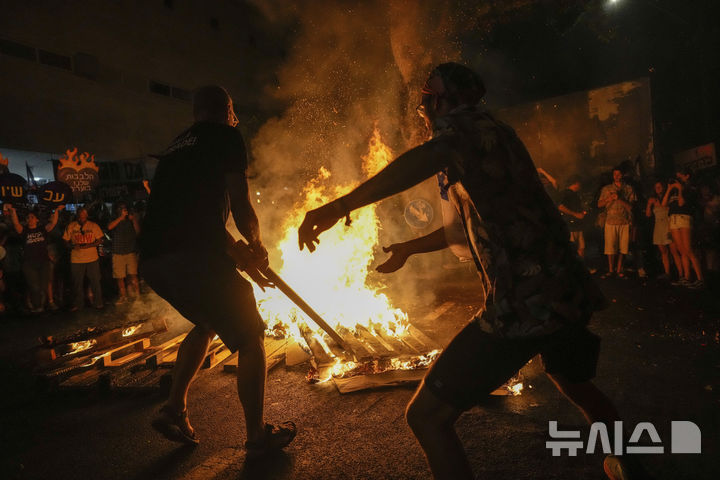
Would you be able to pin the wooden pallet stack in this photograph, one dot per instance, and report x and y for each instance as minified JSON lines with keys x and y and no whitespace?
{"x":122,"y":358}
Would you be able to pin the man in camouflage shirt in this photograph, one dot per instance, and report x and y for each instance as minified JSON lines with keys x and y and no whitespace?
{"x":539,"y":296}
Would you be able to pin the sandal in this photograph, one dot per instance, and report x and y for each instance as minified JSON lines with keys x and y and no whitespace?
{"x":607,"y":275}
{"x":175,"y":426}
{"x":276,"y":438}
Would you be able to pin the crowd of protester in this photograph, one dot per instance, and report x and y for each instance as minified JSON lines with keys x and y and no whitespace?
{"x":667,"y":227}
{"x":52,"y":258}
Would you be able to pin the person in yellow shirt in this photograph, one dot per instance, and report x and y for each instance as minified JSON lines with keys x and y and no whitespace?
{"x":83,"y":237}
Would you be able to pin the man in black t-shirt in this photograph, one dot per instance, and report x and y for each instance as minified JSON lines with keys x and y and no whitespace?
{"x":183,"y":257}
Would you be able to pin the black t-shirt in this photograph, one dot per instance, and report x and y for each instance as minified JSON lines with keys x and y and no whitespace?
{"x":570,"y":200}
{"x":188,"y":204}
{"x":35,"y":245}
{"x":674,"y":208}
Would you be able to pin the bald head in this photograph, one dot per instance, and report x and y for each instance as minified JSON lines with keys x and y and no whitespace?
{"x":212,"y":103}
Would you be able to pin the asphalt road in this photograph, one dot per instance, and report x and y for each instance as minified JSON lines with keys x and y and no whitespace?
{"x":660,"y":362}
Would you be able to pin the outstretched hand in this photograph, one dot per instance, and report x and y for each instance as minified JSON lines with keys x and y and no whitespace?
{"x":399,"y":254}
{"x":315,"y":222}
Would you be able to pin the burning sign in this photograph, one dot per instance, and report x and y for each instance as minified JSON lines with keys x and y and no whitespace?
{"x":80,"y":172}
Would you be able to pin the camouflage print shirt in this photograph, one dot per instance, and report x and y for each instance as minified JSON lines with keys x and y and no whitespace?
{"x":534,"y":282}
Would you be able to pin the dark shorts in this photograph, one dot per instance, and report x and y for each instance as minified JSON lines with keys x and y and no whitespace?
{"x":209,"y":292}
{"x":476,"y":363}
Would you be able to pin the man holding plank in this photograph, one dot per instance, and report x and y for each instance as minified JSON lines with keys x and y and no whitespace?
{"x":184,"y":257}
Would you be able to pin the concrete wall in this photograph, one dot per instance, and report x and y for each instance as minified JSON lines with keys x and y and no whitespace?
{"x":125,"y":44}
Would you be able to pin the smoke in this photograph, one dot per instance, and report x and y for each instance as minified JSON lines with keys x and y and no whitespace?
{"x":351,"y":66}
{"x":348,"y":68}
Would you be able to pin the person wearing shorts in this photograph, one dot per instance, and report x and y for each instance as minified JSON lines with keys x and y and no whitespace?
{"x":617,"y":199}
{"x":538,"y":294}
{"x":123,"y":230}
{"x":185,"y":258}
{"x":680,"y":198}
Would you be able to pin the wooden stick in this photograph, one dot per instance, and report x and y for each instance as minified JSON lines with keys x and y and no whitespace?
{"x":297,"y":300}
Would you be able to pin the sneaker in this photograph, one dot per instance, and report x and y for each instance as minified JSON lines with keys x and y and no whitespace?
{"x":642,"y":273}
{"x":682,"y":282}
{"x":120,"y":300}
{"x":696,"y":284}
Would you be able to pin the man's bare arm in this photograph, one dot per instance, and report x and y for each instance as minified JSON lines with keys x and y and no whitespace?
{"x":407,"y":170}
{"x":243,"y":212}
{"x":400,"y":252}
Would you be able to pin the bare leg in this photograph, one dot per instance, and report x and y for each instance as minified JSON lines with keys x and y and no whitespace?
{"x":620,"y":258}
{"x":251,"y":387}
{"x":611,"y":263}
{"x":686,"y":233}
{"x":190,"y":356}
{"x":676,"y":255}
{"x":594,"y":404}
{"x":432,"y":421}
{"x":134,"y":285}
{"x":121,"y":287}
{"x":664,"y":254}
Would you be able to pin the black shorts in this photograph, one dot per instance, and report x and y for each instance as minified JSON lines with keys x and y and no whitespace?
{"x":209,"y":292}
{"x":476,"y":363}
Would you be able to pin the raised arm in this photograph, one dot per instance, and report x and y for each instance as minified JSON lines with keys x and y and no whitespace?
{"x":53,"y":219}
{"x":666,"y":197}
{"x":15,"y":221}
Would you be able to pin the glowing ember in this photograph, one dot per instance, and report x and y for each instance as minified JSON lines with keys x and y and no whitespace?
{"x":130,"y":330}
{"x":334,"y":279}
{"x":515,"y":389}
{"x":81,"y":346}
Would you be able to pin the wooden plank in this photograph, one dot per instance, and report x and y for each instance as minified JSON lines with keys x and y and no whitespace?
{"x":392,"y":378}
{"x":274,"y":354}
{"x":85,"y":380}
{"x":377,"y":345}
{"x":320,"y":355}
{"x":295,"y":354}
{"x":215,"y":354}
{"x":418,"y":335}
{"x":116,"y":357}
{"x":59,"y":352}
{"x":414,"y":343}
{"x":395,"y":343}
{"x":361,"y":353}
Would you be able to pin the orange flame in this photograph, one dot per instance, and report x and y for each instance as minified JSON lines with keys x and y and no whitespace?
{"x":130,"y":330}
{"x":81,"y":346}
{"x":4,"y":160}
{"x":77,"y":162}
{"x":340,"y":290}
